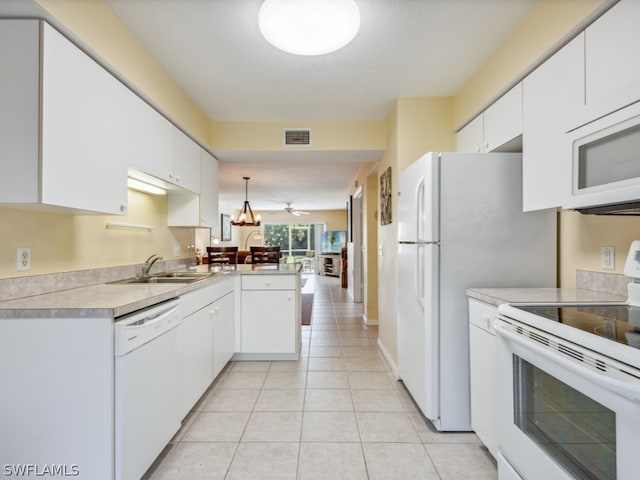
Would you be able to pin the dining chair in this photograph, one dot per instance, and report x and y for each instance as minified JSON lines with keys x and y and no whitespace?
{"x":222,"y":255}
{"x":265,"y":255}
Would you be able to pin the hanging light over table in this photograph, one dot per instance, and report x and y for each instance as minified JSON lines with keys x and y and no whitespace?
{"x":246,"y":218}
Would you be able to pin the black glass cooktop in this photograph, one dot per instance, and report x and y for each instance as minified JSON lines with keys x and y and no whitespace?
{"x":620,"y":323}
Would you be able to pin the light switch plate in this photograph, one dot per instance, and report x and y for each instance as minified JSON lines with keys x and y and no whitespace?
{"x":176,"y":250}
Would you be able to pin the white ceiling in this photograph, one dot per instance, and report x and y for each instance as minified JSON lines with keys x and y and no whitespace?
{"x":405,"y":48}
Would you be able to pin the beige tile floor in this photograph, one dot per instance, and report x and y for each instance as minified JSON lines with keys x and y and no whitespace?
{"x":337,"y":413}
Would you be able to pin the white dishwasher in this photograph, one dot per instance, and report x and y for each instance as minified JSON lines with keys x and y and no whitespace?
{"x":147,"y":386}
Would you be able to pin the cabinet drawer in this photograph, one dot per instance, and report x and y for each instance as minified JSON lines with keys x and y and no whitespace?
{"x":198,"y":299}
{"x":268,"y":282}
{"x":482,"y":314}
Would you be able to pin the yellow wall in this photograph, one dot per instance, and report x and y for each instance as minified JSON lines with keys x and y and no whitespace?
{"x":325,"y":135}
{"x":65,"y":242}
{"x":415,"y":126}
{"x":370,"y":227}
{"x":387,"y":238}
{"x":581,"y":237}
{"x":424,"y":125}
{"x":366,"y":180}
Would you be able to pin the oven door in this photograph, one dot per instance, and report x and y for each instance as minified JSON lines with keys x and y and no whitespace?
{"x":560,"y":417}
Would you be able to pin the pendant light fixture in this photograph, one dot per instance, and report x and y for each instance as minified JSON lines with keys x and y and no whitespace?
{"x":309,"y":27}
{"x":246,"y":218}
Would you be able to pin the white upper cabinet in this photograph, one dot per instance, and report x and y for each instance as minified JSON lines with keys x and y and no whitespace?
{"x":160,"y":149}
{"x":55,"y":96}
{"x":612,"y":54}
{"x":551,"y":94}
{"x":69,"y":131}
{"x":503,"y":120}
{"x":150,"y":139}
{"x":209,"y":210}
{"x":186,"y":160}
{"x":471,"y":138}
{"x":188,"y":209}
{"x":495,"y":127}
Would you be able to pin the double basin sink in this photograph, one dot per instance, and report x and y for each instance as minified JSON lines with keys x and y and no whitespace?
{"x":175,"y":277}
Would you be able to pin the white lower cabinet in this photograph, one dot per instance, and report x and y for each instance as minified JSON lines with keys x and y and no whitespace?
{"x":207,"y":338}
{"x":223,"y":332}
{"x":57,"y":398}
{"x":270,"y":315}
{"x":197,"y":343}
{"x":482,"y":355}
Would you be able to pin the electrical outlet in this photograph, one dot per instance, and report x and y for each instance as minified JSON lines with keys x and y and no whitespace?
{"x":608,"y":257}
{"x":176,"y":250}
{"x":24,"y":259}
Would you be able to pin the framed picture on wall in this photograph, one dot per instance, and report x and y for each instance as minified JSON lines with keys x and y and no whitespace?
{"x":225,"y":227}
{"x":385,"y":197}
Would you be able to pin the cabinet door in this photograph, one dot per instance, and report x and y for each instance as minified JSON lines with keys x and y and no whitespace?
{"x":209,"y":216}
{"x":223,"y":332}
{"x":149,"y":139}
{"x":503,"y":120}
{"x":611,"y":53}
{"x":551,"y":95}
{"x":268,"y":321}
{"x":197,"y":348}
{"x":482,"y":356}
{"x":19,"y":119}
{"x":83,"y":137}
{"x":186,"y":162}
{"x":471,"y":138}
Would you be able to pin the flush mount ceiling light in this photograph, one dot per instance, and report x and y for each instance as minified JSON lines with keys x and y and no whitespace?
{"x":309,"y":27}
{"x":246,"y":218}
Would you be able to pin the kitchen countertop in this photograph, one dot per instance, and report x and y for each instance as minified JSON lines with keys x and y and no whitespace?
{"x":114,"y":300}
{"x":496,"y":296}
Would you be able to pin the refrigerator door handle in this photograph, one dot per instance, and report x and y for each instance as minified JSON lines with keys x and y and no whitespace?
{"x":420,"y":213}
{"x":419,"y":280}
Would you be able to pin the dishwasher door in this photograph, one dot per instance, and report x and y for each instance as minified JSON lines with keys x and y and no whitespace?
{"x":147,"y":387}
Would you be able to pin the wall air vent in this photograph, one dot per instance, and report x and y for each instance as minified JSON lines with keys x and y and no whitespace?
{"x":297,"y":137}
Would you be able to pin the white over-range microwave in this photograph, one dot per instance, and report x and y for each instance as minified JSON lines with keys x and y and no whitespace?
{"x":605,"y":160}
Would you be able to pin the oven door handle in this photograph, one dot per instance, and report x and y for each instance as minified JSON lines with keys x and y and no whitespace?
{"x":627,"y":390}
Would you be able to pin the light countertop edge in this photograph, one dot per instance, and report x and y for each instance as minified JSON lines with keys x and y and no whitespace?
{"x":497,"y":296}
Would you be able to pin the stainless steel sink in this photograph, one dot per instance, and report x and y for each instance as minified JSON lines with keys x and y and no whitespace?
{"x":186,"y":275}
{"x":156,"y":280}
{"x":175,"y":277}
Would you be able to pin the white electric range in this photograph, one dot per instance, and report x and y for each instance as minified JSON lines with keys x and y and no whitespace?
{"x":570,"y":405}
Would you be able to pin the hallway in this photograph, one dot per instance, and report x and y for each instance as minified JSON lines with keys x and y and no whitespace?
{"x":337,"y":413}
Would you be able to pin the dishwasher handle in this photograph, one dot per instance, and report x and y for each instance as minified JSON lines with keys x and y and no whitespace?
{"x":141,"y":327}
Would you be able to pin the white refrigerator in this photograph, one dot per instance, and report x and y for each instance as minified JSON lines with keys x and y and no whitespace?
{"x":460,"y":225}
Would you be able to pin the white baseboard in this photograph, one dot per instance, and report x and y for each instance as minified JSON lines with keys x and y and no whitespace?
{"x":369,"y":321}
{"x":387,"y":357}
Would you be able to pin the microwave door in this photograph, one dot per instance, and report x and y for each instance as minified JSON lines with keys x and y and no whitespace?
{"x":605,"y":160}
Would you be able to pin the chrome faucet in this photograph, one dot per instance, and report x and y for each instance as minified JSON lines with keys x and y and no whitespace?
{"x":148,"y":263}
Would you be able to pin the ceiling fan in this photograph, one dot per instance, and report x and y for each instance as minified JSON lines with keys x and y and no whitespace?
{"x":293,"y":211}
